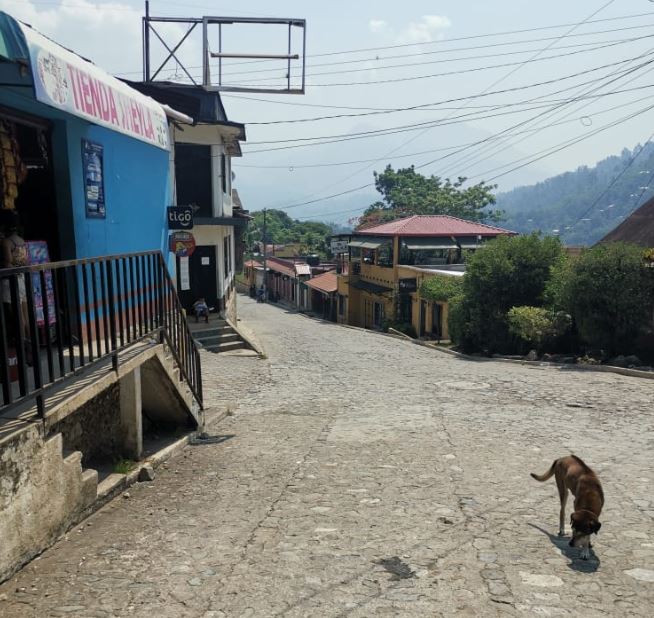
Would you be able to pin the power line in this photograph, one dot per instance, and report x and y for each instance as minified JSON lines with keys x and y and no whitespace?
{"x":506,"y":131}
{"x":490,"y":146}
{"x":294,"y":166}
{"x":550,"y":151}
{"x":443,"y":51}
{"x":497,"y":81}
{"x":258,"y":83}
{"x":334,"y":138}
{"x":396,"y":80}
{"x":472,"y":37}
{"x":613,"y":181}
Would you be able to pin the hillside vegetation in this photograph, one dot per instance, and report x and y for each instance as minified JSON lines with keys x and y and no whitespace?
{"x":559,"y":202}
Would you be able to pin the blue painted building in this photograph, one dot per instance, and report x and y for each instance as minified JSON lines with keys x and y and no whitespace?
{"x":94,"y":154}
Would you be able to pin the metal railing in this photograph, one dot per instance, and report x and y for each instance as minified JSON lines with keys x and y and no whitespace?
{"x":61,"y":317}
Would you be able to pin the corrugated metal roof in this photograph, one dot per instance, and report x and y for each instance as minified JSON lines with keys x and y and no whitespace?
{"x":287,"y":267}
{"x":327,"y":282}
{"x":638,"y":228}
{"x":432,"y":225}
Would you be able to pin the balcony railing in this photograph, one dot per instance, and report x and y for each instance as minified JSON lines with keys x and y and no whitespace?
{"x":59,"y":318}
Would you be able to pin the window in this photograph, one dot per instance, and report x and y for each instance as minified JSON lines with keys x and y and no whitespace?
{"x":385,"y":255}
{"x":227,"y":255}
{"x":193,"y":178}
{"x":223,"y":172}
{"x":341,"y":304}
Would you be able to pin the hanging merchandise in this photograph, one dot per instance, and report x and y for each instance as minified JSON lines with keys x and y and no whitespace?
{"x":12,"y":167}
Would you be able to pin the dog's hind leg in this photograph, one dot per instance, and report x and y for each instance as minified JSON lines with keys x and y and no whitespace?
{"x":563,"y":495}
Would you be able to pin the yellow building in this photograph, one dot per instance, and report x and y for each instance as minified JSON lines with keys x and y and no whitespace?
{"x":388,"y":262}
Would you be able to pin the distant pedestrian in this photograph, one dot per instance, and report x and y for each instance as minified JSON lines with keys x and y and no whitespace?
{"x":260,"y":294}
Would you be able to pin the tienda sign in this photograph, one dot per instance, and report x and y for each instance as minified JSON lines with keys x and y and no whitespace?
{"x":70,"y":83}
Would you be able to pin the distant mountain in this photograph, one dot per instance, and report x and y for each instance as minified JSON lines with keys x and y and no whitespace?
{"x":558,"y":205}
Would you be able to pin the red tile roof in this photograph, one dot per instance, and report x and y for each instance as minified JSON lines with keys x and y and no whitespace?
{"x":637,"y":228}
{"x":252,"y":263}
{"x":288,"y":267}
{"x":433,"y":225}
{"x":327,"y":282}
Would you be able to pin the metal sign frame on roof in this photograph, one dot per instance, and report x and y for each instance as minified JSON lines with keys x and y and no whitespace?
{"x":208,"y":54}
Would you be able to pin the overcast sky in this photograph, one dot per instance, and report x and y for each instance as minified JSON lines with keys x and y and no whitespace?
{"x":460,"y":38}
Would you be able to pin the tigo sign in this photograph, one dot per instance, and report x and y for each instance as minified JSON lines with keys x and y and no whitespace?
{"x":180,"y":217}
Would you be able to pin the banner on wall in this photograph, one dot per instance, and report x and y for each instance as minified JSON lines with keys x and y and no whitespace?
{"x":92,"y":160}
{"x":37,"y":253}
{"x":66,"y":81}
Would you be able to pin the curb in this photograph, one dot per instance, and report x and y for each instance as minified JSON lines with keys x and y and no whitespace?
{"x":155,"y":460}
{"x":248,"y":337}
{"x":633,"y":373}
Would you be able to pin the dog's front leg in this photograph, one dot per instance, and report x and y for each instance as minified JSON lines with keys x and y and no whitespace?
{"x":563,"y":495}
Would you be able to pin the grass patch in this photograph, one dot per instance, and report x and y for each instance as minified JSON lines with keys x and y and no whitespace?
{"x":123,"y":466}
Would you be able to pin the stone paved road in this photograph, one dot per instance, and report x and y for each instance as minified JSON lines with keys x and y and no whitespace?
{"x":365,"y":476}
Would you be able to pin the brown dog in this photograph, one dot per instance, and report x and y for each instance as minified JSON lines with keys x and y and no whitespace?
{"x":573,"y":474}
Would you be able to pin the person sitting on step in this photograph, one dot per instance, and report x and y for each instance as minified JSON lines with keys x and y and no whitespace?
{"x":201,"y":310}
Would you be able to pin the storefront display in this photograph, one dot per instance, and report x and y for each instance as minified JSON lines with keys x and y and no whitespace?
{"x":12,"y":167}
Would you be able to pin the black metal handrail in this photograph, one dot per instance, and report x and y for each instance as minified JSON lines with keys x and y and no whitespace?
{"x":61,"y":317}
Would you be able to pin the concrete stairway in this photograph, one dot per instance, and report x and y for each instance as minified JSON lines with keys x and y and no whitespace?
{"x":219,"y":336}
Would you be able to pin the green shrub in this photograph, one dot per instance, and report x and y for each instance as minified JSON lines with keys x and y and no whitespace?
{"x":458,"y":323}
{"x":537,"y":326}
{"x":507,"y":272}
{"x":609,"y":291}
{"x":441,"y":288}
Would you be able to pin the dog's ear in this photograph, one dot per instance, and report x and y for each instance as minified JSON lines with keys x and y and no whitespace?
{"x":573,"y":519}
{"x":595,"y":527}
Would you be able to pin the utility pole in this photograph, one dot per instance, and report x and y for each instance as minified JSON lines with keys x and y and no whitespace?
{"x":265,"y":273}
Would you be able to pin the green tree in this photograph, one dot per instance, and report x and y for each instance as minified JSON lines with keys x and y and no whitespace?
{"x":405,"y":192}
{"x":609,"y":291}
{"x":507,"y":272}
{"x":282,"y":229}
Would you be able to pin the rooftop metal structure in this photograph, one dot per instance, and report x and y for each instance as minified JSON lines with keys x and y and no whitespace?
{"x":212,"y":31}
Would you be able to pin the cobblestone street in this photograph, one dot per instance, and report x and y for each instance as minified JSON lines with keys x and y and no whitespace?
{"x":360,"y":475}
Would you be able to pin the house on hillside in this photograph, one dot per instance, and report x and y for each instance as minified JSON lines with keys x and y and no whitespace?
{"x":322,"y":298}
{"x":388,"y":262}
{"x":637,"y":228}
{"x":285,"y":282}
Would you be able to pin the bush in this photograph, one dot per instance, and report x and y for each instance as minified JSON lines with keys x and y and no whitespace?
{"x":441,"y":288}
{"x":507,"y":272}
{"x":537,"y":326}
{"x":609,"y":291}
{"x":458,"y":323}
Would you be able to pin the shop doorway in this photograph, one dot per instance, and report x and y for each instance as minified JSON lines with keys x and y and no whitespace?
{"x":27,"y":181}
{"x":202,"y":278}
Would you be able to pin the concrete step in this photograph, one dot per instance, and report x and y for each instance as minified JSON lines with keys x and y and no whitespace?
{"x":212,"y":332}
{"x":217,"y":339}
{"x":227,"y":347}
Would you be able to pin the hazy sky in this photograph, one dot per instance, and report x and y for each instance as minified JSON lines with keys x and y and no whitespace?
{"x":415,"y":38}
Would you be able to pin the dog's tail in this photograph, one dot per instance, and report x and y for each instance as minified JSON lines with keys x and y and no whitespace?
{"x":543,"y":477}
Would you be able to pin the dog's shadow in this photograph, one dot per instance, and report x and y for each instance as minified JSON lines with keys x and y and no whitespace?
{"x":572,"y":553}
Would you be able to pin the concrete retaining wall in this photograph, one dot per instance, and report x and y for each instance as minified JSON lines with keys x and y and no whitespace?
{"x":94,"y":428}
{"x":42,"y":493}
